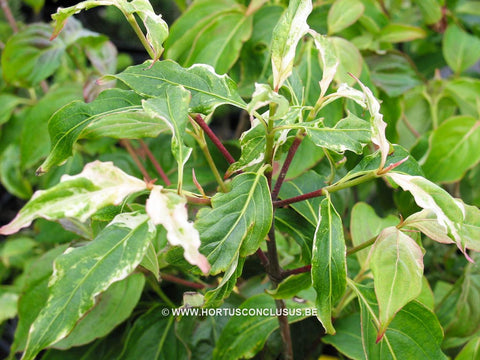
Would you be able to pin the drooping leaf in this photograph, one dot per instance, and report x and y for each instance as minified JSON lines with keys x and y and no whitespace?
{"x":350,"y":133}
{"x":156,"y":27}
{"x":209,"y":32}
{"x":396,"y":261}
{"x":452,"y":149}
{"x":115,"y":113}
{"x":152,"y":336}
{"x":460,"y":49}
{"x":112,"y":308}
{"x":81,"y":274}
{"x":30,"y":57}
{"x":291,"y":27}
{"x":450,"y":213}
{"x":426,"y":221}
{"x":342,"y":14}
{"x":244,"y":336}
{"x":172,"y":108}
{"x":329,"y":266}
{"x":208,"y":89}
{"x":366,"y":224}
{"x":328,"y":59}
{"x":377,"y":124}
{"x":170,"y":211}
{"x":79,"y":196}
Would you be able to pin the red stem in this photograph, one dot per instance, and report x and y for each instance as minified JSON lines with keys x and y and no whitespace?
{"x":285,"y":167}
{"x":310,"y":195}
{"x":181,"y":281}
{"x":263,"y":257}
{"x":199,"y":120}
{"x":127,"y":145}
{"x":155,"y":163}
{"x":299,"y":270}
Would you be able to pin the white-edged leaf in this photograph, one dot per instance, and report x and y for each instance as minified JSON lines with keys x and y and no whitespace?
{"x":396,"y":261}
{"x":169,"y":210}
{"x":264,"y":95}
{"x":81,"y":274}
{"x":329,"y":265}
{"x":377,"y":124}
{"x":291,"y":27}
{"x":328,"y":60}
{"x":79,"y":196}
{"x":449,"y":212}
{"x":426,"y":221}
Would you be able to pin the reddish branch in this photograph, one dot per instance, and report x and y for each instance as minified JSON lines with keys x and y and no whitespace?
{"x":155,"y":163}
{"x":199,"y":120}
{"x":310,"y":195}
{"x":286,"y":166}
{"x":181,"y":281}
{"x":299,"y":270}
{"x":127,"y":145}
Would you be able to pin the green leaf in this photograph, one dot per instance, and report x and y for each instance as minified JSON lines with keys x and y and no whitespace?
{"x":464,"y":316}
{"x":11,"y":175}
{"x":237,"y":223}
{"x":348,"y":338}
{"x":291,"y":27}
{"x":426,"y":221}
{"x":30,"y":57}
{"x":170,"y":211}
{"x":209,"y":32}
{"x":79,"y":196}
{"x":150,"y":261}
{"x":8,"y":103}
{"x":350,"y":60}
{"x":305,"y":183}
{"x":392,"y":72}
{"x":350,"y":133}
{"x":342,"y":14}
{"x":366,"y":224}
{"x":208,"y":89}
{"x":245,"y":336}
{"x":431,"y":10}
{"x":427,"y":195}
{"x":395,"y":33}
{"x":115,"y":113}
{"x":15,"y":252}
{"x":396,"y":261}
{"x":399,"y":342}
{"x":172,"y":108}
{"x":34,"y":142}
{"x":289,"y":222}
{"x":460,"y":49}
{"x":34,"y":294}
{"x":465,"y":93}
{"x":452,"y":149}
{"x":153,"y":337}
{"x":8,"y":305}
{"x":471,"y":351}
{"x":329,"y":266}
{"x":291,"y":286}
{"x":214,"y":298}
{"x":81,"y":274}
{"x":112,"y":308}
{"x":36,"y":5}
